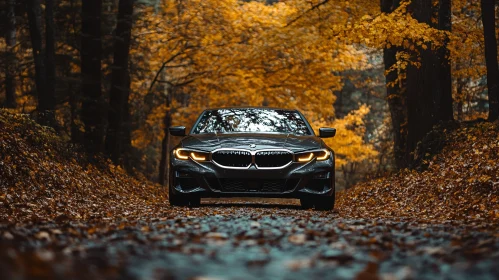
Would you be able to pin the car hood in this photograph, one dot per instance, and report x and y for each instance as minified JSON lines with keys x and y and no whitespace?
{"x":210,"y":142}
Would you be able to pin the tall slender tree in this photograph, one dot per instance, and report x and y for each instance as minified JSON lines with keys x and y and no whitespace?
{"x":421,"y":84}
{"x":45,"y":104}
{"x":395,"y":94}
{"x":429,"y":90}
{"x":118,"y":133}
{"x":11,"y":61}
{"x":49,"y":104}
{"x":167,"y":121}
{"x":444,"y":94}
{"x":91,"y":55}
{"x":489,"y":32}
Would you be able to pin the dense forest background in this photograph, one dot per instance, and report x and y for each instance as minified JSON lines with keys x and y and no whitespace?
{"x":111,"y":76}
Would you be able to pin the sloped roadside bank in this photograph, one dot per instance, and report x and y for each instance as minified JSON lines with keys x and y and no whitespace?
{"x":42,"y":178}
{"x":461,"y":182}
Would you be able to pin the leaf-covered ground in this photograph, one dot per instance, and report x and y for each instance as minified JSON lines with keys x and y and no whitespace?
{"x":245,"y":241}
{"x":63,"y":217}
{"x":43,"y":178}
{"x":460,"y":182}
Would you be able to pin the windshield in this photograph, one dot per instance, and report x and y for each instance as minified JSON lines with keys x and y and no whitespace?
{"x":252,"y":120}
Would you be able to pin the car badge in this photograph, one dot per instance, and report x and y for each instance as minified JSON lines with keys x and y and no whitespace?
{"x":252,"y":145}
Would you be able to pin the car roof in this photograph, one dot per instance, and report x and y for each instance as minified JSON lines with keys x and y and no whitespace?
{"x":250,"y":107}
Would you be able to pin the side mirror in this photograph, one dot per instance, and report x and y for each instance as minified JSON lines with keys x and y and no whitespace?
{"x":177,"y":130}
{"x":327,"y":132}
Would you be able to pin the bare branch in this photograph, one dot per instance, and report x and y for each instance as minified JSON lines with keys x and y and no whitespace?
{"x":316,"y":6}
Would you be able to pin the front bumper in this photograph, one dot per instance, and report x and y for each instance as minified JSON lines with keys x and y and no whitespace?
{"x":297,"y":180}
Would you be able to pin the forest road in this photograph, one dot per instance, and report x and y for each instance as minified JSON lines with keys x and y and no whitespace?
{"x":249,"y":241}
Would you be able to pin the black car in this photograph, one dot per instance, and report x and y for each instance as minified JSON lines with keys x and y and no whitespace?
{"x":248,"y":152}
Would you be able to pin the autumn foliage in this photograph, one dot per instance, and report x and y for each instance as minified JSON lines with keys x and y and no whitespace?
{"x":186,"y":56}
{"x":198,"y":54}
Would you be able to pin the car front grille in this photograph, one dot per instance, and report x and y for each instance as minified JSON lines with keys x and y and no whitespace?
{"x":233,"y":185}
{"x":230,"y":185}
{"x":232,"y":158}
{"x":243,"y":159}
{"x":269,"y":159}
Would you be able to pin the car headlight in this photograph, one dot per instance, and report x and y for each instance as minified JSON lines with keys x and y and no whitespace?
{"x":323,"y":155}
{"x":305,"y":158}
{"x":184,"y":154}
{"x":318,"y":155}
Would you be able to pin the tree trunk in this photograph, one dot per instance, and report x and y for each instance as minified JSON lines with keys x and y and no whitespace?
{"x":76,"y":135}
{"x":34,"y":11}
{"x":91,"y":55}
{"x":108,"y":23}
{"x":395,"y":95}
{"x":444,"y":110}
{"x":11,"y":61}
{"x":118,"y":132}
{"x":164,"y":167}
{"x":460,"y":84}
{"x":49,"y":104}
{"x":396,"y":98}
{"x":163,"y":170}
{"x":460,"y":102}
{"x":488,"y":19}
{"x":421,"y":88}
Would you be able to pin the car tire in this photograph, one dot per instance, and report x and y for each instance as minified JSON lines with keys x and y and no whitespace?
{"x":306,"y":203}
{"x":176,"y":200}
{"x":324,"y":203}
{"x":194,"y":201}
{"x":180,"y":200}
